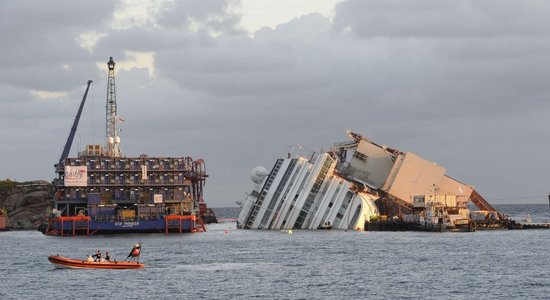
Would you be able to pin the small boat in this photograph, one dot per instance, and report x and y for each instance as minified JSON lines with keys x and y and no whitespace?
{"x":69,"y":263}
{"x":325,"y":226}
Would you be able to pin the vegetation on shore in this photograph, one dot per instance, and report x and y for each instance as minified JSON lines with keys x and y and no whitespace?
{"x":7,"y":184}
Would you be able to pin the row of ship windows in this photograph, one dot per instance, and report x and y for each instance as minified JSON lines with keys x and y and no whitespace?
{"x":135,"y":178}
{"x":308,"y":203}
{"x":275,"y":198}
{"x":127,"y":194}
{"x":130,"y":165}
{"x":305,"y":210}
{"x":137,"y":181}
{"x":267,"y":185}
{"x":313,"y":193}
{"x":278,"y":191}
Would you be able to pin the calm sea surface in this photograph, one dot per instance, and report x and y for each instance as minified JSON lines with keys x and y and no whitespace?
{"x":226,"y":263}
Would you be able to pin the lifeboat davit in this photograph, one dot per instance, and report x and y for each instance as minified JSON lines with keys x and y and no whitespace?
{"x":69,"y":263}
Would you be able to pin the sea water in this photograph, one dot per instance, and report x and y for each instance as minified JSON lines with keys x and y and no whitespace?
{"x":228,"y":263}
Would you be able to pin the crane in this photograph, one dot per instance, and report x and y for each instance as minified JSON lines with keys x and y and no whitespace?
{"x":70,"y":139}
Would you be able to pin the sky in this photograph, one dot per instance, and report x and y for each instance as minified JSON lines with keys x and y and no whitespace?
{"x":463,"y":83}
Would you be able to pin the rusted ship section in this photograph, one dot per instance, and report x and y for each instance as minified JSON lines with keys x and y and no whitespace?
{"x":410,"y":190}
{"x":4,"y":224}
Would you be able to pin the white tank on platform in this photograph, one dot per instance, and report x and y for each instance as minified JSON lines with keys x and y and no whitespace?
{"x":258,"y":174}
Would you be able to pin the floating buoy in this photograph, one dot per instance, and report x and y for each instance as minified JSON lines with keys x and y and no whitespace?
{"x":226,"y":232}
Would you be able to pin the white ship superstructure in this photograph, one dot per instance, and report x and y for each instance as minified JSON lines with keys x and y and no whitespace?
{"x":351,"y":184}
{"x":305,"y":194}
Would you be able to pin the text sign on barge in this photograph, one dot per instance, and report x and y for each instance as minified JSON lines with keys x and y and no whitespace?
{"x":76,"y":176}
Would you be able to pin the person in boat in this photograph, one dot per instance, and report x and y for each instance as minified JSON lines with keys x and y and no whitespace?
{"x":107,"y":256}
{"x":134,"y":254}
{"x":97,"y":256}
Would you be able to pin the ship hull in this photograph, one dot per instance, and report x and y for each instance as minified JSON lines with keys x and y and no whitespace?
{"x":66,"y":226}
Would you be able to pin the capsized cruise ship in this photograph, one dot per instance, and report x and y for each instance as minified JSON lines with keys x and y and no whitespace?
{"x":352,"y":184}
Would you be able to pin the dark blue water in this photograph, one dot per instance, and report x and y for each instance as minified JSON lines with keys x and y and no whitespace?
{"x":226,"y":263}
{"x":538,"y":213}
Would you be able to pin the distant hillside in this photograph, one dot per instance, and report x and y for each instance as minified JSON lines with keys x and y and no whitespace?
{"x":27,"y":203}
{"x":227,"y":212}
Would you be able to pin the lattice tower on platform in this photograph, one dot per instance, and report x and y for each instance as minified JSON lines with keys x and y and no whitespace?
{"x":112,"y":138}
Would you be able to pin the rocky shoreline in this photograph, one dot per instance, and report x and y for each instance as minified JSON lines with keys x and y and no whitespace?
{"x":27,"y":203}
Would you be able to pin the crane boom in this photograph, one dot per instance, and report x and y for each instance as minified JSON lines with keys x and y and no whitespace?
{"x":69,"y":142}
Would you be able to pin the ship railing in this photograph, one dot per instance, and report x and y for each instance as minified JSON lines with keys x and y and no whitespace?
{"x":96,"y":168}
{"x":148,"y":183}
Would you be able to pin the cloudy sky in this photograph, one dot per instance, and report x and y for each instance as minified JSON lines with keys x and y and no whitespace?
{"x":463,"y":83}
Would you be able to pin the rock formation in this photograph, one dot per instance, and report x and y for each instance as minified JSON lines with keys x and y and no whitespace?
{"x":27,"y":203}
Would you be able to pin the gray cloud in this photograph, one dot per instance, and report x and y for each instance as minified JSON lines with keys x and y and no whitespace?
{"x":432,"y":18}
{"x":462,"y":84}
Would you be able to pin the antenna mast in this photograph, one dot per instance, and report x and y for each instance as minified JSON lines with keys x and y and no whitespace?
{"x":113,"y":140}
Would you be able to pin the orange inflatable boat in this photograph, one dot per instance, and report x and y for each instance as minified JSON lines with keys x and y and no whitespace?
{"x":69,"y":263}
